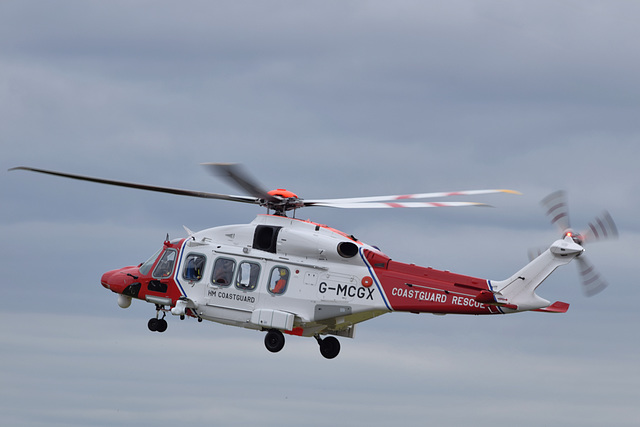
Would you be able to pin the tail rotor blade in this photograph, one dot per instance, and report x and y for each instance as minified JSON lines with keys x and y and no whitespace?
{"x":555,"y":205}
{"x":601,"y":228}
{"x":592,"y":281}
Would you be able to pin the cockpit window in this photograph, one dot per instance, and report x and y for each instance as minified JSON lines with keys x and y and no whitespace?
{"x":146,"y":266}
{"x":248,"y":274}
{"x":223,"y":271}
{"x":164,"y":268}
{"x":194,"y":267}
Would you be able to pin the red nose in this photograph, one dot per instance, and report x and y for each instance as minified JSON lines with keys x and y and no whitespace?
{"x":116,"y":280}
{"x":106,"y":279}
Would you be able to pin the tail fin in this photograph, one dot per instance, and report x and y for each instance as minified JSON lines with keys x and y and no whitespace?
{"x":517,"y":293}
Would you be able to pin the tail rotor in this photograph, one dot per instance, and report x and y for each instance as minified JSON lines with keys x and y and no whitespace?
{"x":601,"y":228}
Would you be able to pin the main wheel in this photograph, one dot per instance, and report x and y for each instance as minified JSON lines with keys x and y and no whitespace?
{"x":274,"y":340}
{"x":329,"y":347}
{"x":153,"y":324}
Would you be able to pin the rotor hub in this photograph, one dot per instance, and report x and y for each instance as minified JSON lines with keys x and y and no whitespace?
{"x":285,"y":194}
{"x":282,"y":200}
{"x":576,"y":237}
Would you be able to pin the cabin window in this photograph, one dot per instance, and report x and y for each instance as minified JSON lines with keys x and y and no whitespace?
{"x":223,"y":270}
{"x":248,"y":274}
{"x":164,"y":268}
{"x":278,"y":280}
{"x":193,"y":267}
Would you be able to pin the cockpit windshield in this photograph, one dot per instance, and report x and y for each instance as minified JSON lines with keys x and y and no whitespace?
{"x":164,"y":268}
{"x":146,"y":266}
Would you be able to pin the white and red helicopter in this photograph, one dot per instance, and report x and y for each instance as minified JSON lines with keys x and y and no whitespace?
{"x":283,"y":275}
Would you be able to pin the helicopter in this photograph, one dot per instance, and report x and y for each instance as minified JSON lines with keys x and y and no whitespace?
{"x":282,"y":275}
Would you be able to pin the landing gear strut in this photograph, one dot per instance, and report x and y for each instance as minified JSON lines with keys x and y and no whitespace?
{"x":274,"y":340}
{"x":329,"y":346}
{"x":155,"y":324}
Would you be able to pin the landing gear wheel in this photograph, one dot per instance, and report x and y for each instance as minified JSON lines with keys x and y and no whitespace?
{"x":161,"y":325}
{"x":274,"y":340}
{"x":156,"y":324}
{"x":329,"y":347}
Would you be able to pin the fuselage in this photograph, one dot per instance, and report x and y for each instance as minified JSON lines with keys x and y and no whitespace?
{"x":297,"y":276}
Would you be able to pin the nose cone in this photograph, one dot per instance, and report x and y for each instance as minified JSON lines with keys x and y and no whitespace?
{"x":117,"y":280}
{"x":106,"y":279}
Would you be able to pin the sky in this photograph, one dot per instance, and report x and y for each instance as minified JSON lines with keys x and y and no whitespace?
{"x":327,"y":99}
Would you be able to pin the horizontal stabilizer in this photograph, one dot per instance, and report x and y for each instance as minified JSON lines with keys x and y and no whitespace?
{"x":489,"y":298}
{"x":486,"y":297}
{"x":556,"y":307}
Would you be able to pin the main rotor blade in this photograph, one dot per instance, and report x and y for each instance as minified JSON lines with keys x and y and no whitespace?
{"x":555,"y":205}
{"x":189,"y":193}
{"x":401,"y":198}
{"x":592,"y":282}
{"x":601,"y":228}
{"x":382,"y":205}
{"x":238,"y":176}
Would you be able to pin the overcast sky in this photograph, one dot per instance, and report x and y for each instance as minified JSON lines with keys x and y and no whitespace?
{"x":327,"y":99}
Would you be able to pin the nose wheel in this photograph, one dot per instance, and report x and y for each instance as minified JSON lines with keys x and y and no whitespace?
{"x":157,"y":324}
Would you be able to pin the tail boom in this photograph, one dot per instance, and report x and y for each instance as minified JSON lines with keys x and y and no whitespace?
{"x":410,"y":288}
